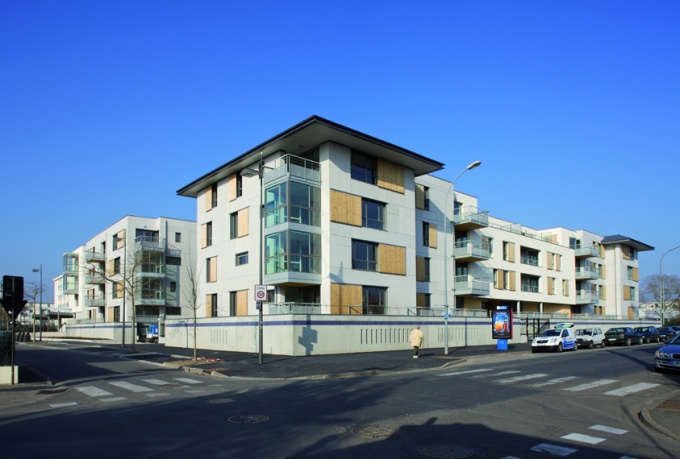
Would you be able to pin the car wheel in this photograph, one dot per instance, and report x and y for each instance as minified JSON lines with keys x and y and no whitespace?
{"x":602,"y":344}
{"x":590,"y":345}
{"x":560,"y":348}
{"x":641,"y":341}
{"x":628,"y":342}
{"x":533,"y":350}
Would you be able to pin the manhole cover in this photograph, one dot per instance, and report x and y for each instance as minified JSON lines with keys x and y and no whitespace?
{"x":248,"y":419}
{"x":445,"y":451}
{"x":374,"y":431}
{"x":52,"y":392}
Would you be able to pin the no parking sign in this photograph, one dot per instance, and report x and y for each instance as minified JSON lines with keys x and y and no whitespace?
{"x":260,"y":292}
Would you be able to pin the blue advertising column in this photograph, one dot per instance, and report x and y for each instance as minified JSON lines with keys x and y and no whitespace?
{"x":502,"y":327}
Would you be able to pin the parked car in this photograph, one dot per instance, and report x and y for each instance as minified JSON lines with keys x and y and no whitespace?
{"x":622,"y":335}
{"x":560,"y":338}
{"x":666,"y":332}
{"x":668,"y":356}
{"x":590,"y":337}
{"x":649,"y":334}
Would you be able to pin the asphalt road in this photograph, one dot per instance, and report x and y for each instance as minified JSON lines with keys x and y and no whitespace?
{"x":578,"y":404}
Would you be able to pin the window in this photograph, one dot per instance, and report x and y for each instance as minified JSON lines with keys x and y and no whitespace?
{"x":426,"y":198}
{"x":364,"y":255}
{"x":212,"y":305}
{"x":233,"y":225}
{"x":207,"y":235}
{"x":374,"y":299}
{"x":426,"y":234}
{"x":144,"y":235}
{"x":426,"y":268}
{"x":364,"y":168}
{"x":372,"y":214}
{"x":529,"y":256}
{"x":211,"y":269}
{"x":242,"y":259}
{"x":213,"y":199}
{"x":116,"y":266}
{"x":292,"y":251}
{"x":293,"y":202}
{"x":178,"y":237}
{"x":71,"y":263}
{"x":239,"y":185}
{"x":530,"y":283}
{"x":169,"y":260}
{"x":173,"y":286}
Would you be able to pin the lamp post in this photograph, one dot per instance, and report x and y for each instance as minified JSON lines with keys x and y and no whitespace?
{"x":41,"y":303}
{"x":259,"y":172}
{"x":472,"y":165}
{"x":661,"y":293}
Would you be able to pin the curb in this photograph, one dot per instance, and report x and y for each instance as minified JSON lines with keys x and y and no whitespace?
{"x":646,"y":418}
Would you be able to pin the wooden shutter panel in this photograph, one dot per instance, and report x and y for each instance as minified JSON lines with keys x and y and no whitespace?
{"x":231,"y":184}
{"x":513,"y":279}
{"x":204,"y":235}
{"x":345,"y":208}
{"x":420,"y":196}
{"x":420,"y":268}
{"x":551,"y":260}
{"x":511,"y":252}
{"x":208,"y":198}
{"x":433,"y":235}
{"x":390,"y":176}
{"x":391,"y":259}
{"x":242,"y":303}
{"x":420,"y":299}
{"x":626,"y":293}
{"x":635,"y":274}
{"x":344,"y":295}
{"x":243,"y":222}
{"x":603,"y":292}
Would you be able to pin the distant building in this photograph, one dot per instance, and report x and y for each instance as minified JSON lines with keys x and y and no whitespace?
{"x":138,"y":260}
{"x":352,"y":224}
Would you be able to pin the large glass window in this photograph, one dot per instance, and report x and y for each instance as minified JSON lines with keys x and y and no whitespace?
{"x":364,"y":255}
{"x":374,"y":299}
{"x":292,"y":251}
{"x":364,"y":168}
{"x":292,"y":202}
{"x":372,"y":214}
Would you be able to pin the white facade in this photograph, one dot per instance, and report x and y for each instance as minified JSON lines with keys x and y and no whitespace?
{"x":149,"y":255}
{"x":329,"y":256}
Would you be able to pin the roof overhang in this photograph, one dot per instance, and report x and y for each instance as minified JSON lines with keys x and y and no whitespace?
{"x":620,"y":239}
{"x":307,"y":135}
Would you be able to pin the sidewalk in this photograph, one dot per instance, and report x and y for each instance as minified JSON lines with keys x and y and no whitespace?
{"x":662,"y":415}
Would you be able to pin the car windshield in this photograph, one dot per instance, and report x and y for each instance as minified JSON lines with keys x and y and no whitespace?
{"x":675,"y":340}
{"x":615,"y":331}
{"x":550,"y":333}
{"x":584,"y":332}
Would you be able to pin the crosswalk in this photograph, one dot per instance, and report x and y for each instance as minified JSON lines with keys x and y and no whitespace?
{"x":119,"y":390}
{"x":591,"y":437}
{"x":539,"y":379}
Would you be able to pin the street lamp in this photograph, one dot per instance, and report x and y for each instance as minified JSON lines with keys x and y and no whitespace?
{"x":661,"y":294}
{"x":259,"y":172}
{"x":41,"y":303}
{"x":472,"y":165}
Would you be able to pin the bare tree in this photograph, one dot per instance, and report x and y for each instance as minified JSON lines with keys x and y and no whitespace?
{"x":32,"y":294}
{"x":651,"y":292}
{"x":191,"y":292}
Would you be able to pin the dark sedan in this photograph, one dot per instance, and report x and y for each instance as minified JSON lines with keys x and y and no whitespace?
{"x":666,"y":332}
{"x":622,"y":335}
{"x":649,"y":334}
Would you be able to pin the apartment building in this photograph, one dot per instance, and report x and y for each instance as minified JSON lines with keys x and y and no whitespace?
{"x":334,"y":221}
{"x":137,"y":262}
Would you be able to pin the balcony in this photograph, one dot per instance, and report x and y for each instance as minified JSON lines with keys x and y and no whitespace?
{"x":150,"y":297}
{"x":469,"y":285}
{"x":149,"y":244}
{"x":586,"y":251}
{"x":95,"y":278}
{"x":95,"y":257}
{"x":470,"y":218}
{"x":583,"y":273}
{"x":292,"y":167}
{"x":467,"y":251}
{"x":95,"y":302}
{"x":586,"y":297}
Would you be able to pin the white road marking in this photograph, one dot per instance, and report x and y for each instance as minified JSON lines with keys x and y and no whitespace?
{"x":93,"y":391}
{"x":186,"y":380}
{"x":583,"y":438}
{"x":631,"y":389}
{"x":553,"y":381}
{"x":117,"y":398}
{"x":520,"y":378}
{"x":588,"y":386}
{"x":68,"y":404}
{"x":463,"y":372}
{"x":608,"y":429}
{"x":494,"y":374}
{"x":157,"y":382}
{"x":552,"y":449}
{"x":157,"y":395}
{"x":130,"y":386}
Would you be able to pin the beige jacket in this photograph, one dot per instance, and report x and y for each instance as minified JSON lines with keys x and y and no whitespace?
{"x":416,"y":337}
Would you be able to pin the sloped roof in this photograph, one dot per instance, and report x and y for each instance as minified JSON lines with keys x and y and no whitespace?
{"x":620,"y":239}
{"x":307,"y":134}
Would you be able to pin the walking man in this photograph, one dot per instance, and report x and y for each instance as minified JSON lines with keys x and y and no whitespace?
{"x":416,"y":339}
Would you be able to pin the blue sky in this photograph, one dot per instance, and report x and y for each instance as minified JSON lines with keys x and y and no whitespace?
{"x":108,"y":107}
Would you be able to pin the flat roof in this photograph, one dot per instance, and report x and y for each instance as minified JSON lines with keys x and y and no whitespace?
{"x":306,"y":135}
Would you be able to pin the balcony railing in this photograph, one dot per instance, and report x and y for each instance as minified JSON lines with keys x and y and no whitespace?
{"x":583,"y":273}
{"x":292,"y":166}
{"x":91,"y":256}
{"x":469,"y":285}
{"x":470,"y":217}
{"x":584,"y":297}
{"x":95,"y":278}
{"x":95,"y":302}
{"x":586,"y":251}
{"x":466,"y":251}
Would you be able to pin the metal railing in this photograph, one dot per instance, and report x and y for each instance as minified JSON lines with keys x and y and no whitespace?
{"x":294,"y":167}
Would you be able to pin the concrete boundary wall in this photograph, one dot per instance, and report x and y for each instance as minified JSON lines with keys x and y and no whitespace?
{"x":300,"y":335}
